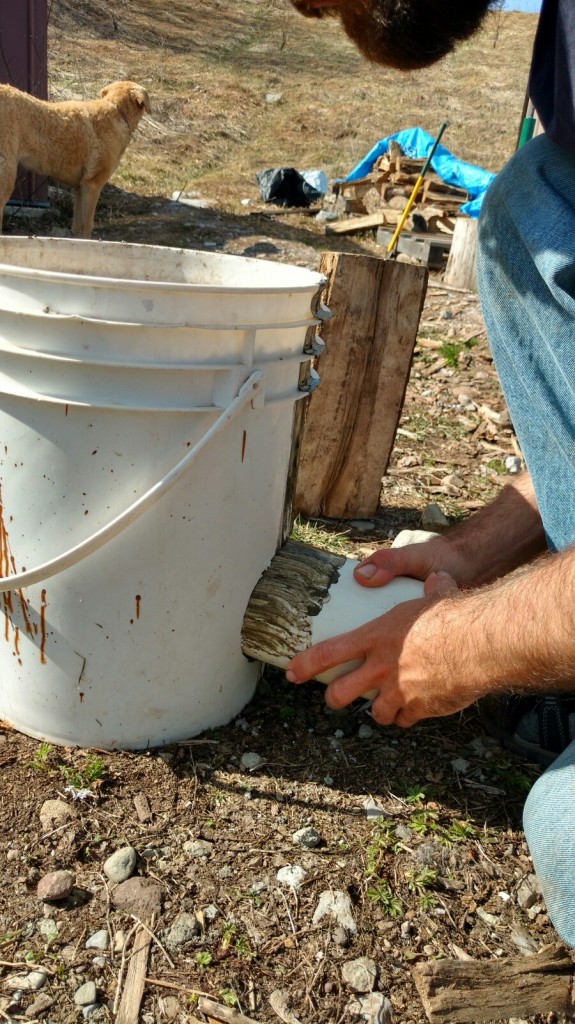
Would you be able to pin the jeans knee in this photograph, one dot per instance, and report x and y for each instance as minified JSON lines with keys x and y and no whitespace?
{"x":549,"y":825}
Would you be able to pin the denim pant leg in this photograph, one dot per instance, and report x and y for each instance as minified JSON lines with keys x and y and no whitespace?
{"x":549,"y":823}
{"x":526,"y":283}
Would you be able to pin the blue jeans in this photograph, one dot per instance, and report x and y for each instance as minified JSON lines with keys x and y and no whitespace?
{"x":526,"y":283}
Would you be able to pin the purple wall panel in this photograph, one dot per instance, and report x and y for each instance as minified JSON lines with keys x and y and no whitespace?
{"x":24,"y":64}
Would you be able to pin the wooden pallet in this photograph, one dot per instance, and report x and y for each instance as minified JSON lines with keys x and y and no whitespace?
{"x":430,"y":249}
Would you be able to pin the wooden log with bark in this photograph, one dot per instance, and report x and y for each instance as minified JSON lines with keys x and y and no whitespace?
{"x":469,"y":992}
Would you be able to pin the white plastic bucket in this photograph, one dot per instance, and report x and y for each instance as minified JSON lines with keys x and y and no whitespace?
{"x":146,"y":406}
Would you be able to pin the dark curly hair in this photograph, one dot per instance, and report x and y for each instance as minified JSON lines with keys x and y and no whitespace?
{"x":406,"y":34}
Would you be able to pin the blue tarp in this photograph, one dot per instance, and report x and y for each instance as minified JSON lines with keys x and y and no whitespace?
{"x":417,"y":143}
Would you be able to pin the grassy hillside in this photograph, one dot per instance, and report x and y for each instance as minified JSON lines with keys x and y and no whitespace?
{"x":208,"y":65}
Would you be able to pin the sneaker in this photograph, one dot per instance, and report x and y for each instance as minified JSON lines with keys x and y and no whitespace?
{"x":538,"y":728}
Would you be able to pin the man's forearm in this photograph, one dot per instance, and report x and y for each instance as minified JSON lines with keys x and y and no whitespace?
{"x":500,"y":537}
{"x":517,"y":634}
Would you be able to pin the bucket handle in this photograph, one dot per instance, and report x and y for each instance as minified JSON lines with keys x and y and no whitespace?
{"x":87,"y":547}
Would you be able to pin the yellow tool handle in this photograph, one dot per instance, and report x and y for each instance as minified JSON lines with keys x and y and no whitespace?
{"x":405,"y":213}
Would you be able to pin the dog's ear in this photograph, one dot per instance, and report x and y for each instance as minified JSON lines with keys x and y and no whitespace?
{"x":104,"y":92}
{"x":140,"y":96}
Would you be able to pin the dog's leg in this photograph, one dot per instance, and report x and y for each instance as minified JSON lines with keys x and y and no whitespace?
{"x":86,"y":196}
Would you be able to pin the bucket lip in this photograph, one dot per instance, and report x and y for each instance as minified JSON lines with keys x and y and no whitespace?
{"x":315,"y":280}
{"x":77,"y":319}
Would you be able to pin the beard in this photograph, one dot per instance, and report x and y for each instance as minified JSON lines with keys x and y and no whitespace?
{"x":405,"y":34}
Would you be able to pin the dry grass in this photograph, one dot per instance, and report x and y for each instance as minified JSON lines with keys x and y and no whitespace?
{"x":208,"y":66}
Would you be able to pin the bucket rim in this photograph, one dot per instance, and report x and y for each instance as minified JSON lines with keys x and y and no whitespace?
{"x":77,"y":319}
{"x":315,"y":280}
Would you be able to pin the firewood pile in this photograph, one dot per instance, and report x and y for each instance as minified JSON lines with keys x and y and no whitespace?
{"x":380,"y":198}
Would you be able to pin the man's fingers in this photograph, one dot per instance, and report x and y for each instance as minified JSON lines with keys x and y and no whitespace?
{"x":321,"y":657}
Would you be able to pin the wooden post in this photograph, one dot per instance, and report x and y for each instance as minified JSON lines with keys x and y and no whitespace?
{"x":460,"y":269}
{"x":353,"y":416}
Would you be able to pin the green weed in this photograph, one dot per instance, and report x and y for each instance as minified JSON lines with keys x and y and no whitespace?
{"x":382,"y":894}
{"x":41,"y":756}
{"x":83,"y":776}
{"x":203,"y":958}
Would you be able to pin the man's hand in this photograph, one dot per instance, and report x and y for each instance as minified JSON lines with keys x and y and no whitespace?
{"x":499,"y":538}
{"x":403,"y":659}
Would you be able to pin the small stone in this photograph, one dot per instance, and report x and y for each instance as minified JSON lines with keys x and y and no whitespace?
{"x":86,"y":994}
{"x":360,"y":974}
{"x":94,"y":1011}
{"x":26,"y":982}
{"x":142,"y":807}
{"x":513,"y":464}
{"x":184,"y":928}
{"x":48,"y":929}
{"x":307,"y":837}
{"x":119,"y":941}
{"x":251,"y":760}
{"x":99,"y":940}
{"x":12,"y":855}
{"x":54,"y":813}
{"x":406,"y":929}
{"x":521,"y":938}
{"x":486,"y":917}
{"x":56,"y":885}
{"x":292,"y":875}
{"x":273,"y":98}
{"x":42,"y":1003}
{"x":362,"y":525}
{"x":374,"y":1008}
{"x":140,"y":897}
{"x":432,"y":518}
{"x":460,"y":765}
{"x":198,"y":848}
{"x":341,"y":937}
{"x":121,"y":865}
{"x":403,"y":833}
{"x":169,"y":1006}
{"x":365,"y":732}
{"x":336,"y":904}
{"x":528,"y":892}
{"x":373,"y":809}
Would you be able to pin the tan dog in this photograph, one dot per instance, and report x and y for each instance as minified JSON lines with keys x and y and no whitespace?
{"x":78,"y":142}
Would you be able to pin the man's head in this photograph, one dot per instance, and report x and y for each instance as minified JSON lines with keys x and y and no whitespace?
{"x":404,"y":34}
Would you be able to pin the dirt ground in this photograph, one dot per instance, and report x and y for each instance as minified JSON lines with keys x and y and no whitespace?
{"x":232,"y":844}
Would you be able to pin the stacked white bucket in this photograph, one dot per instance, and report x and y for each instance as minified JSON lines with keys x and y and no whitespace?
{"x":146,"y":406}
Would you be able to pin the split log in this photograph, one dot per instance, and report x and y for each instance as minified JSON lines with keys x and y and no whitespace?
{"x":460,"y":269}
{"x":355,"y":224}
{"x":353,"y":415}
{"x":464,"y":992}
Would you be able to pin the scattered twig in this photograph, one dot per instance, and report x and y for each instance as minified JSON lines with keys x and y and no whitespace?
{"x":155,"y":938}
{"x":177,"y":988}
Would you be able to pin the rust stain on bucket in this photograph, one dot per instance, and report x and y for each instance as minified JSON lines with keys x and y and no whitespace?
{"x":7,"y":568}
